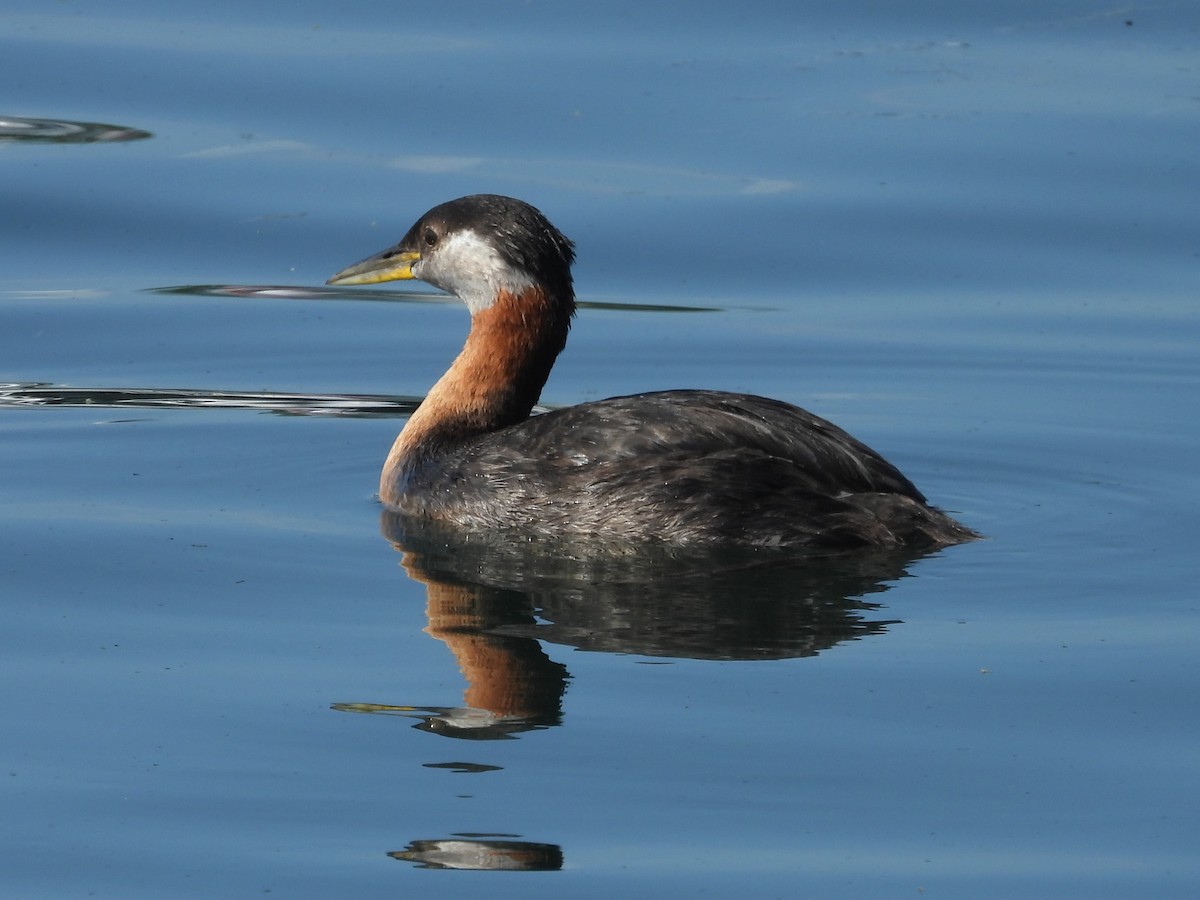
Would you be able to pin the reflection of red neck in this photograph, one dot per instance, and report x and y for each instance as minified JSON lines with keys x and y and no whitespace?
{"x":494,"y":382}
{"x":506,"y":676}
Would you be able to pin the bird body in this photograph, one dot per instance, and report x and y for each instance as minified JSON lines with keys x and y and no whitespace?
{"x":679,"y":467}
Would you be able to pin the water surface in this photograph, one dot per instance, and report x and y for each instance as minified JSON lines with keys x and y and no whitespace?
{"x":966,"y":233}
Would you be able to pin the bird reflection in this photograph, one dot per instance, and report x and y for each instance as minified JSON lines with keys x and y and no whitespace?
{"x":494,"y":601}
{"x":477,"y":853}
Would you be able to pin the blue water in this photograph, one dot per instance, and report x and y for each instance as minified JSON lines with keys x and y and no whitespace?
{"x":968,"y":233}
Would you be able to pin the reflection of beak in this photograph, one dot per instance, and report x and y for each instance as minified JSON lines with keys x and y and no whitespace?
{"x":390,"y":265}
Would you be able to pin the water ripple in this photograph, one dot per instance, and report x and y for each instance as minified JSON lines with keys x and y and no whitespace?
{"x":29,"y":394}
{"x":54,"y":131}
{"x":292,"y":292}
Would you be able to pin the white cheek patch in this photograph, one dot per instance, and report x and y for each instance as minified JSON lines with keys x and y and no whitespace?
{"x":469,"y":267}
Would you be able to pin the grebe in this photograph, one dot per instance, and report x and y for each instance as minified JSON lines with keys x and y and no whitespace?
{"x":677,"y":467}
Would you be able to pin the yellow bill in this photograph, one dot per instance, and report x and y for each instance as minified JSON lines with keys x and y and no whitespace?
{"x":390,"y":265}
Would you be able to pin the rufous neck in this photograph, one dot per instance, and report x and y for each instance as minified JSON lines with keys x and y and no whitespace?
{"x":496,"y":379}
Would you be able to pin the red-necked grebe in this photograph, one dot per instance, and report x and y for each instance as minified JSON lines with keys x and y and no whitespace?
{"x":680,"y":467}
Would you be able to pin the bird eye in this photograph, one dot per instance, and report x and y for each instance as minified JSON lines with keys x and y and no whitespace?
{"x":430,"y":237}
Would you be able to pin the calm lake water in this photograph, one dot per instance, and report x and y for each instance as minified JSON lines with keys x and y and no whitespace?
{"x":969,"y":233}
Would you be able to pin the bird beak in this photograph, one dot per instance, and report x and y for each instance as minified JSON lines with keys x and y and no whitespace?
{"x":390,"y":265}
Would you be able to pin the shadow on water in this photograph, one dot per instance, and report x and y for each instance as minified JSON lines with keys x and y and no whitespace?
{"x":52,"y":131}
{"x":494,"y":600}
